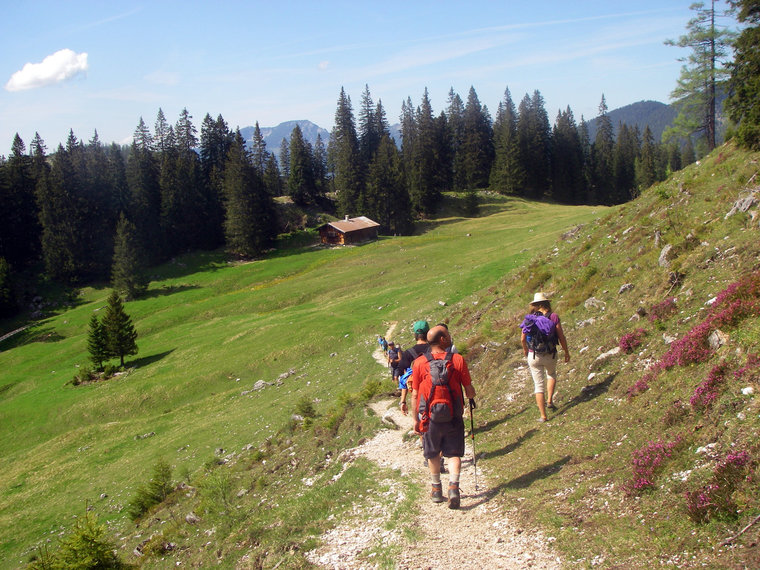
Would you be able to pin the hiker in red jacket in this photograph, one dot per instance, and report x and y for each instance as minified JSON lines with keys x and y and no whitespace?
{"x":438,"y":378}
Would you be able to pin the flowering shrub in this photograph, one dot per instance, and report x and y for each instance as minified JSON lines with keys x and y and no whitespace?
{"x":752,"y":366}
{"x":646,"y":462}
{"x":663,"y":309}
{"x":631,"y":340}
{"x":707,"y":392}
{"x":641,"y":385}
{"x":735,"y":303}
{"x":714,"y":498}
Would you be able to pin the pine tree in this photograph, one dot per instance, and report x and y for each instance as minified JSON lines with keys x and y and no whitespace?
{"x":145,"y":195}
{"x":423,"y":190}
{"x":120,"y":333}
{"x":319,"y":168}
{"x":19,"y":214}
{"x":602,"y":155}
{"x":127,"y":273}
{"x":744,"y":105}
{"x":534,"y":143}
{"x":259,"y":154}
{"x":389,"y":203}
{"x":624,"y":163}
{"x":646,"y":166}
{"x":249,"y":213}
{"x":301,"y":182}
{"x":455,"y":120}
{"x":506,"y":175}
{"x":97,"y":343}
{"x":695,"y":95}
{"x":567,"y":159}
{"x":272,"y":178}
{"x":476,"y":145}
{"x":8,"y":306}
{"x":345,"y":157}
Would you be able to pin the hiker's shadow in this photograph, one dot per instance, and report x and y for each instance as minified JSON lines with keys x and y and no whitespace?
{"x":588,"y":393}
{"x":521,"y":482}
{"x":511,"y":447}
{"x":493,"y":423}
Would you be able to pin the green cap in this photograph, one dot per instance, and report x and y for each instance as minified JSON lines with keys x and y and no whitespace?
{"x":421,"y":327}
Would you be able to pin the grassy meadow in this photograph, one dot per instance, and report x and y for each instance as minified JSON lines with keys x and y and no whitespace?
{"x":304,"y":321}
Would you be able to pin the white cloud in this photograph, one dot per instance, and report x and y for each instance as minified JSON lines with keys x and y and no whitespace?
{"x":324,"y":65}
{"x":60,"y":66}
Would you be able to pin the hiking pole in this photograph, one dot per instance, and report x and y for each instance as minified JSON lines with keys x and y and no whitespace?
{"x":472,"y":435}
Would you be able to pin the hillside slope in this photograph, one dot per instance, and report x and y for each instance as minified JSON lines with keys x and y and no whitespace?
{"x":651,"y":457}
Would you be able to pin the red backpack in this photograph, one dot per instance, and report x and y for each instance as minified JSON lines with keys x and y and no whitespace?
{"x":438,"y":402}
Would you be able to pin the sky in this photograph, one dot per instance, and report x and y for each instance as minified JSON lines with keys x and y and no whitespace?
{"x":87,"y":66}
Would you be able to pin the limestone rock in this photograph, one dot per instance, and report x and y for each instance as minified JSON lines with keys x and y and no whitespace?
{"x":664,"y":259}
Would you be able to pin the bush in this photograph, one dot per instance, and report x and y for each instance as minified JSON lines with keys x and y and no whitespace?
{"x":154,"y":493}
{"x":663,"y":310}
{"x":707,"y":392}
{"x":631,"y":340}
{"x":86,"y":547}
{"x":715,"y":498}
{"x":647,"y":462}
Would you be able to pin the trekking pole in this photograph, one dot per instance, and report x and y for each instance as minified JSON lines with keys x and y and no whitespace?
{"x":472,"y":435}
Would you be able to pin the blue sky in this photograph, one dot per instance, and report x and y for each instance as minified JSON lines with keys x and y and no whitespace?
{"x":103,"y":65}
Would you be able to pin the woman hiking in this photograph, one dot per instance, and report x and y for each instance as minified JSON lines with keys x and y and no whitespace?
{"x":541,"y":330}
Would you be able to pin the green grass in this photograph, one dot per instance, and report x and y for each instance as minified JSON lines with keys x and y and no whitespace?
{"x":208,"y":330}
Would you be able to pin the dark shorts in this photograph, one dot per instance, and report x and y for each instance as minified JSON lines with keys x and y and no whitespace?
{"x":447,"y":439}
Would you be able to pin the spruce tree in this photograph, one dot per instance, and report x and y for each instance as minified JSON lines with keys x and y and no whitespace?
{"x":8,"y":306}
{"x":97,"y":343}
{"x":19,"y":214}
{"x":345,"y":157}
{"x":477,"y":143}
{"x":603,"y":151}
{"x":120,"y":333}
{"x":301,"y":183}
{"x":455,"y":120}
{"x":704,"y":70}
{"x":128,"y":270}
{"x":506,"y":175}
{"x":744,"y":105}
{"x":626,"y":153}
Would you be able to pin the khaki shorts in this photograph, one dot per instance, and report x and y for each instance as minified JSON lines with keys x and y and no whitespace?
{"x":541,"y":366}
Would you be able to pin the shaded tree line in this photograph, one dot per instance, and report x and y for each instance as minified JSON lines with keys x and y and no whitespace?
{"x":94,"y":212}
{"x":90,"y":212}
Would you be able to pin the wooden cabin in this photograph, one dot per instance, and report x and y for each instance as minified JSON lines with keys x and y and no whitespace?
{"x":348,"y":231}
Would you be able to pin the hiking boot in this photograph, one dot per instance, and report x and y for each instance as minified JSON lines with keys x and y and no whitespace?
{"x":443,"y":467}
{"x":437,"y":493}
{"x":453,"y":495}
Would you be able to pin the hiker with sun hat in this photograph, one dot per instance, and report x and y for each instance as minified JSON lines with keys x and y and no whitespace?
{"x":541,"y":330}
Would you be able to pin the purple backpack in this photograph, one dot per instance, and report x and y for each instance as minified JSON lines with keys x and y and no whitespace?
{"x":541,"y":334}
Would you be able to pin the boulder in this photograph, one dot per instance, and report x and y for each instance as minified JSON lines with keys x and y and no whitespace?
{"x":594,"y":303}
{"x":625,"y":287}
{"x":604,"y":357}
{"x":716,"y":339}
{"x":665,"y":256}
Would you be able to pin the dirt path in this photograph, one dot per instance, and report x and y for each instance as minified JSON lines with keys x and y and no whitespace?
{"x":477,"y":535}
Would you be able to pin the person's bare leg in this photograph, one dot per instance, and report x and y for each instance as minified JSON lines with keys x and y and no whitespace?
{"x":550,"y":383}
{"x":541,"y":402}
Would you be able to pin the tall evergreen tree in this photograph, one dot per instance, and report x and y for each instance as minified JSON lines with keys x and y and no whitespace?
{"x":8,"y":306}
{"x":506,"y":173}
{"x":455,"y":117}
{"x":97,"y":342}
{"x":345,"y":157}
{"x":423,"y":190}
{"x":369,"y":135}
{"x":319,"y":167}
{"x":476,"y":145}
{"x":534,"y":142}
{"x":408,"y":119}
{"x":602,"y":156}
{"x":646,"y":166}
{"x":744,"y":105}
{"x":145,"y":194}
{"x":567,"y":159}
{"x":249,"y":214}
{"x":19,"y":216}
{"x":285,"y":158}
{"x":120,"y":333}
{"x":128,"y":269}
{"x":162,"y":133}
{"x":705,"y":68}
{"x":259,"y":154}
{"x":301,"y":182}
{"x":624,"y":163}
{"x":272,"y":179}
{"x":388,"y":199}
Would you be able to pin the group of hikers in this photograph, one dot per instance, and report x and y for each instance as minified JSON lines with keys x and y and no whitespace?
{"x":439,"y":380}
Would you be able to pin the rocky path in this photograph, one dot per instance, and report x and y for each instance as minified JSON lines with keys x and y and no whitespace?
{"x":477,"y":535}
